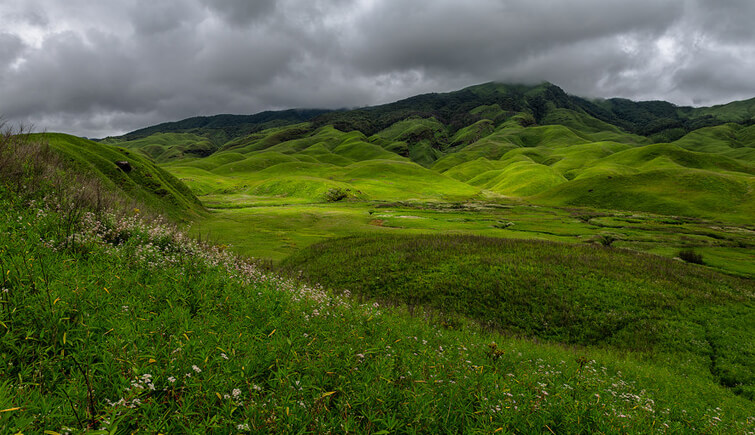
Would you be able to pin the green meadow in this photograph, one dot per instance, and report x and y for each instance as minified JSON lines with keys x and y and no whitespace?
{"x":502,"y":258}
{"x":274,"y":231}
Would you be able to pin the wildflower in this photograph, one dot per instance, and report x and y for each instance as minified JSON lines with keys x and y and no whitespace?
{"x":224,"y":356}
{"x":244,"y":426}
{"x":196,"y":369}
{"x":171,"y":379}
{"x":236,"y":392}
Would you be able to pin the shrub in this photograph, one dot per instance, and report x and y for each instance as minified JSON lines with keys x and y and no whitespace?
{"x":690,"y":256}
{"x":606,"y":240}
{"x":336,"y":194}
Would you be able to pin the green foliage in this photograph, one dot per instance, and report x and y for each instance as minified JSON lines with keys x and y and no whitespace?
{"x":145,"y":182}
{"x":578,"y":295}
{"x":606,"y":240}
{"x":690,"y":256}
{"x":130,"y":326}
{"x":336,"y":194}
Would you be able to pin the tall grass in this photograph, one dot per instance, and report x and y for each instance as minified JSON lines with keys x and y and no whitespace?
{"x":580,"y":295}
{"x":32,"y":170}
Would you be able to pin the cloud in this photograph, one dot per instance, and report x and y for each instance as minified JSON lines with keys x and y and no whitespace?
{"x":10,"y":48}
{"x":112,"y":66}
{"x":241,"y":12}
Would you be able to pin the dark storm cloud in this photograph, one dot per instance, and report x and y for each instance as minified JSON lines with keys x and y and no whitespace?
{"x":241,"y":12}
{"x":451,"y":35}
{"x":99,"y":68}
{"x":10,"y":47}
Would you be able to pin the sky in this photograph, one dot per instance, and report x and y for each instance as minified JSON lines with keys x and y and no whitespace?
{"x":107,"y":67}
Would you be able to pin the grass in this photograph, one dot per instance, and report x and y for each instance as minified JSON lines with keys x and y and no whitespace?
{"x":143,"y":181}
{"x":579,"y":295}
{"x":677,"y":192}
{"x":117,"y":324}
{"x":283,"y":226}
{"x":569,"y":159}
{"x":164,"y":147}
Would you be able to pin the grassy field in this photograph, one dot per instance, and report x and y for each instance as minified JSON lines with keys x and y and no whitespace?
{"x":110,"y":323}
{"x":270,"y":228}
{"x":578,"y":295}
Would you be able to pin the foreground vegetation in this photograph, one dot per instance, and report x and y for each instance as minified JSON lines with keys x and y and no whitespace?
{"x":114,"y":323}
{"x":666,"y":310}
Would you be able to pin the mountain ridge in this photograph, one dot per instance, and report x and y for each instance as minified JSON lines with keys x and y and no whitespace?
{"x":535,"y":142}
{"x":740,"y":111}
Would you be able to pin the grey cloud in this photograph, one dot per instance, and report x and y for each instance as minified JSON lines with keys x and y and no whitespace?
{"x":450,"y":34}
{"x":112,"y":66}
{"x":29,"y":14}
{"x":150,"y":18}
{"x":727,"y":21}
{"x":714,"y":77}
{"x":241,"y":12}
{"x":10,"y":48}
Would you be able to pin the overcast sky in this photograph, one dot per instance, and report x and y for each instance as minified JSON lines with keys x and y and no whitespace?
{"x":98,"y":68}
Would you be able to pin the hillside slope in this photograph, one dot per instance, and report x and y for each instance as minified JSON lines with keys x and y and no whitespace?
{"x":490,"y":140}
{"x":137,"y":177}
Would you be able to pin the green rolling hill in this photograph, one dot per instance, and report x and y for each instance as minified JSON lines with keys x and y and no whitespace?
{"x":532,"y":142}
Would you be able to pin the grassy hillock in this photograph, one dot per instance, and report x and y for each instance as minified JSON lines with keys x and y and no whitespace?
{"x":140,"y":179}
{"x":114,"y":324}
{"x":737,"y":111}
{"x":164,"y":147}
{"x":680,"y":192}
{"x":312,"y":164}
{"x":225,"y":127}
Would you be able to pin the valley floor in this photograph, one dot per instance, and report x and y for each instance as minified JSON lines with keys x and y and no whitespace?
{"x":274,"y":228}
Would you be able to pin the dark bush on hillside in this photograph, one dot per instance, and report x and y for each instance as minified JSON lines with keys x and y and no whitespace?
{"x":690,"y":256}
{"x":336,"y":194}
{"x":606,"y":240}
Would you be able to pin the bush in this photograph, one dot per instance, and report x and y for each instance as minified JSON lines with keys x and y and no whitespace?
{"x":690,"y":256}
{"x":336,"y":194}
{"x":606,"y":240}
